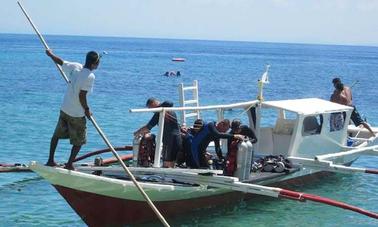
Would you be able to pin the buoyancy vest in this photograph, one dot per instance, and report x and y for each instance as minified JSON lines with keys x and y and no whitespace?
{"x":146,"y":151}
{"x":195,"y":141}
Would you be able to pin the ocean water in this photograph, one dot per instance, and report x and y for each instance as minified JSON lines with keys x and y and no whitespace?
{"x":31,"y":91}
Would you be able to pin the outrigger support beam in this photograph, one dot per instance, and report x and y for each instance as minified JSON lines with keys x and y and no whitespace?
{"x":371,"y":150}
{"x":232,"y":183}
{"x":329,"y":166}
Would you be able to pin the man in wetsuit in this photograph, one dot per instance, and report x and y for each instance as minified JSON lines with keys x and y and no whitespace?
{"x":204,"y":134}
{"x":343,"y":95}
{"x":238,"y":128}
{"x":171,"y":131}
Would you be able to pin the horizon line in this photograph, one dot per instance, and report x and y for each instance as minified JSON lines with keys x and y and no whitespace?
{"x":198,"y":39}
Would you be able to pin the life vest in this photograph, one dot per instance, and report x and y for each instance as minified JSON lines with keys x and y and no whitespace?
{"x":195,"y":142}
{"x":231,"y":159}
{"x":146,"y":152}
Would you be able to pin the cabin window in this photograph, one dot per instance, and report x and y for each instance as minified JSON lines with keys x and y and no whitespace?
{"x":312,"y":125}
{"x":337,"y":121}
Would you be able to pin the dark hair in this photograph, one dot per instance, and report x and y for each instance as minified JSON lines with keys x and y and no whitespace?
{"x":339,"y":86}
{"x":235,"y":124}
{"x":92,"y":58}
{"x":336,"y":80}
{"x":150,"y":101}
{"x":198,"y":124}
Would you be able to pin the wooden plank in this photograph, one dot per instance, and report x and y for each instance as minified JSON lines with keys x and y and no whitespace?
{"x":148,"y":169}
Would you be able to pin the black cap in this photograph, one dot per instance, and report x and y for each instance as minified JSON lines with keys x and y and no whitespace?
{"x":198,"y":124}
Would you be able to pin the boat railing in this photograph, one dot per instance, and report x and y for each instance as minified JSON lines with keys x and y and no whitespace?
{"x":163,"y":110}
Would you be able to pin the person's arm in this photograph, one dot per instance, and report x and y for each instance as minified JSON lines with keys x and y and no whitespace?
{"x":247,"y":131}
{"x":348,"y":95}
{"x":84,"y":103}
{"x":218,"y":149}
{"x":153,"y":121}
{"x":55,"y":58}
{"x":214,"y":132}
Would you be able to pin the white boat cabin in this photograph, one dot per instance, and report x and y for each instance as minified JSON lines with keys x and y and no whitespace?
{"x":301,"y":127}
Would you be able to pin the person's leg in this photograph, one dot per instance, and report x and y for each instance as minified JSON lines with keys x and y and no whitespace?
{"x":74,"y":151}
{"x":368,"y":128}
{"x":357,"y":120}
{"x":53,"y":145}
{"x":61,"y":132}
{"x":78,"y":137}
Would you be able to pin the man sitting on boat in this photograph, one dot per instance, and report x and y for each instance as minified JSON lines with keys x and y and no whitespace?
{"x":199,"y":138}
{"x":171,"y":132}
{"x":343,"y":95}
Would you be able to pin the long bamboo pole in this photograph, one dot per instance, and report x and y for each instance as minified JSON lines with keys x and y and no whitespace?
{"x":150,"y":203}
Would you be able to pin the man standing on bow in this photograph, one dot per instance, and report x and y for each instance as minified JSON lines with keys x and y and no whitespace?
{"x":72,"y":122}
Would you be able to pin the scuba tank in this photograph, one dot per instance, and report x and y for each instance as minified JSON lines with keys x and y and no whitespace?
{"x":136,"y":143}
{"x":243,"y":160}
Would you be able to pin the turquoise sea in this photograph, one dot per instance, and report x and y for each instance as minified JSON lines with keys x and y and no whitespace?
{"x":31,"y":91}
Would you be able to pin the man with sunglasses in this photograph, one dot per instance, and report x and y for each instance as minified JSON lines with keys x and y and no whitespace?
{"x":72,"y":122}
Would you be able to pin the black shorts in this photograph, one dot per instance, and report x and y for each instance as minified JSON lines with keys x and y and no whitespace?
{"x":356,"y":117}
{"x":171,"y":145}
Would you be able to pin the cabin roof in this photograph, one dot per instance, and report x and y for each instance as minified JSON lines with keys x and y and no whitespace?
{"x":308,"y":106}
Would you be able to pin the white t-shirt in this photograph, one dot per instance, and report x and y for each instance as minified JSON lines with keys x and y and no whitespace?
{"x":81,"y":79}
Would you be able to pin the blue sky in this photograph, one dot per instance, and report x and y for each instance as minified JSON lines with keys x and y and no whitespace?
{"x":352,"y":22}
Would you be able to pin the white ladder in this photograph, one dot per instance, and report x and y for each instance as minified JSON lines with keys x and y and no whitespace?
{"x":191,"y":102}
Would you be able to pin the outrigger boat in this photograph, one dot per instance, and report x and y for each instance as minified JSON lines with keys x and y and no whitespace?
{"x":301,"y":130}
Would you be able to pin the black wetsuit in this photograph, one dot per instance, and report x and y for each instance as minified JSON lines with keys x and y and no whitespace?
{"x":171,"y":132}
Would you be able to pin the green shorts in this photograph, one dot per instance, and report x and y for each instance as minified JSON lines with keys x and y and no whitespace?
{"x":73,"y":128}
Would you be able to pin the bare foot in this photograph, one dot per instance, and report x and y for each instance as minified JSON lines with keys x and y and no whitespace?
{"x":51,"y":164}
{"x":69,"y":167}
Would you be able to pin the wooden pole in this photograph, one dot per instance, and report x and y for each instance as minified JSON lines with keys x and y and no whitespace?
{"x":43,"y":41}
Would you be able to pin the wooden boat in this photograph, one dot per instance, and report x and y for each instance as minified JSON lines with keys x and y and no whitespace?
{"x":300,"y":131}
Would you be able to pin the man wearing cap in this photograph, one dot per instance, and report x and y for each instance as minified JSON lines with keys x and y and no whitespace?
{"x":343,"y":95}
{"x":171,"y":131}
{"x":72,"y":123}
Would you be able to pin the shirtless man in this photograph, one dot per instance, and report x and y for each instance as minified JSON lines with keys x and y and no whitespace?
{"x":343,"y":95}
